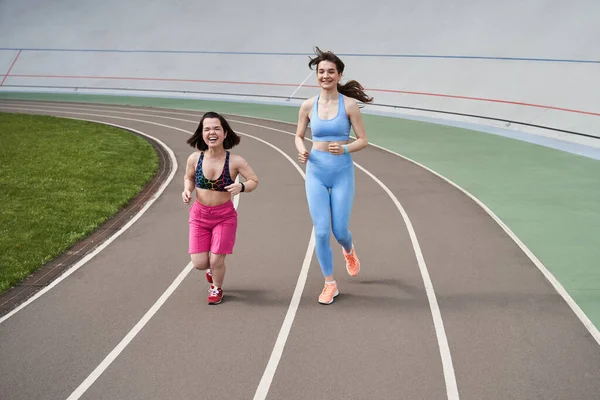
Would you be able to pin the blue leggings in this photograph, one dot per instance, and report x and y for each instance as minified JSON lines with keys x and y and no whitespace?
{"x":330,"y":194}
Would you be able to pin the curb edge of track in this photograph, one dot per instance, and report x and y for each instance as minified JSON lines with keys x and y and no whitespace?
{"x":51,"y":270}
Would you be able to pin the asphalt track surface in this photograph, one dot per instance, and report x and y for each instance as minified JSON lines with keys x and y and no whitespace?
{"x":446,"y":306}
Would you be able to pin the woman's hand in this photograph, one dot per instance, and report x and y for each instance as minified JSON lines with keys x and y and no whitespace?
{"x":303,"y":157}
{"x":234,"y":188}
{"x":336,"y":149}
{"x":187,"y":196}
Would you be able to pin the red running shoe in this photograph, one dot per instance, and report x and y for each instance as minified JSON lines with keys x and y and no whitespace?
{"x":215,"y":295}
{"x":209,"y":276}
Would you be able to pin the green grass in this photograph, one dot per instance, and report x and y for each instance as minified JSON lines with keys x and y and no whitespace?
{"x":59,"y":180}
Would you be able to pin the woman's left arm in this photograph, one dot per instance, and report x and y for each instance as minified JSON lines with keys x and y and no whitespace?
{"x":357,"y":124}
{"x":243,"y":168}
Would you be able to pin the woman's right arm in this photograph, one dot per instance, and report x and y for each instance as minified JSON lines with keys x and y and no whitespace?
{"x":190,"y":177}
{"x":303,"y":120}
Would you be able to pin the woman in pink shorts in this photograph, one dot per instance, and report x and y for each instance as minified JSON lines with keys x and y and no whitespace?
{"x":212,"y":171}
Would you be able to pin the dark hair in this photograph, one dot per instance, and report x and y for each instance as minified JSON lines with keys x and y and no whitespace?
{"x":351,"y":88}
{"x":197,"y":140}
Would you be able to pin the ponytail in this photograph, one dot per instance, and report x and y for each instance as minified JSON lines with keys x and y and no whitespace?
{"x":355,"y":90}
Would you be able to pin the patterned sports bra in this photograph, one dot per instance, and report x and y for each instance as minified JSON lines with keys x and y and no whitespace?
{"x":218,"y":184}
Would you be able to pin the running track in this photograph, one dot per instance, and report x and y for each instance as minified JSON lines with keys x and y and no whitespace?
{"x":446,"y":305}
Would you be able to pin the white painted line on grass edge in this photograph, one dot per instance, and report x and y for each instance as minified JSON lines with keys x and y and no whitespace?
{"x":102,"y":246}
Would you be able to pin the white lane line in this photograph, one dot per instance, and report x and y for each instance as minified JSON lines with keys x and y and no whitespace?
{"x":269,"y":373}
{"x":440,"y":331}
{"x":51,"y":108}
{"x":108,"y":241}
{"x":448,"y":368}
{"x":137,"y":328}
{"x":267,"y":378}
{"x":445,"y":354}
{"x":587,"y":323}
{"x":236,"y":199}
{"x":85,"y":385}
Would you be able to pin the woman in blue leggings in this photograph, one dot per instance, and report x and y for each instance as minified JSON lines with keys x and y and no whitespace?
{"x":329,"y":167}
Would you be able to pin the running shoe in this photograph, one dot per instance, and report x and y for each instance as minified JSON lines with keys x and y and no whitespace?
{"x":329,"y":292}
{"x":352,"y":262}
{"x":215,"y":295}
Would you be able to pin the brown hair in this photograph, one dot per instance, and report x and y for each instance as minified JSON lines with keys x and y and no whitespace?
{"x":351,"y":88}
{"x":197,"y":141}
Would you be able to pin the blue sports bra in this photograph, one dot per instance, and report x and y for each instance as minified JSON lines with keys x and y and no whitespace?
{"x":336,"y":129}
{"x":218,"y":184}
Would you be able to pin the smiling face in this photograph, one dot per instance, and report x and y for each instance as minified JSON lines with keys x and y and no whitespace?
{"x":212,"y":132}
{"x":328,"y":75}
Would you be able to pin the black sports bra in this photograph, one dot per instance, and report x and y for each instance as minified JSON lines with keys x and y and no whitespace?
{"x":218,"y":184}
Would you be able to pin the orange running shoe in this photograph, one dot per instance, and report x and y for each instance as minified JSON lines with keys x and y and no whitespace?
{"x":329,"y":292}
{"x":352,"y":262}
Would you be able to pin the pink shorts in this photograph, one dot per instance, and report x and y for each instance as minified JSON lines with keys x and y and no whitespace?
{"x":212,"y":228}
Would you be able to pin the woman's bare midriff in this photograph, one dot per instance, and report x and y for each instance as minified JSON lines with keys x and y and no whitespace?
{"x":324,"y":146}
{"x":212,"y":198}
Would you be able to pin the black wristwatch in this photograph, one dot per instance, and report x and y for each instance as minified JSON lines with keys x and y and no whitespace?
{"x":243,"y":187}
